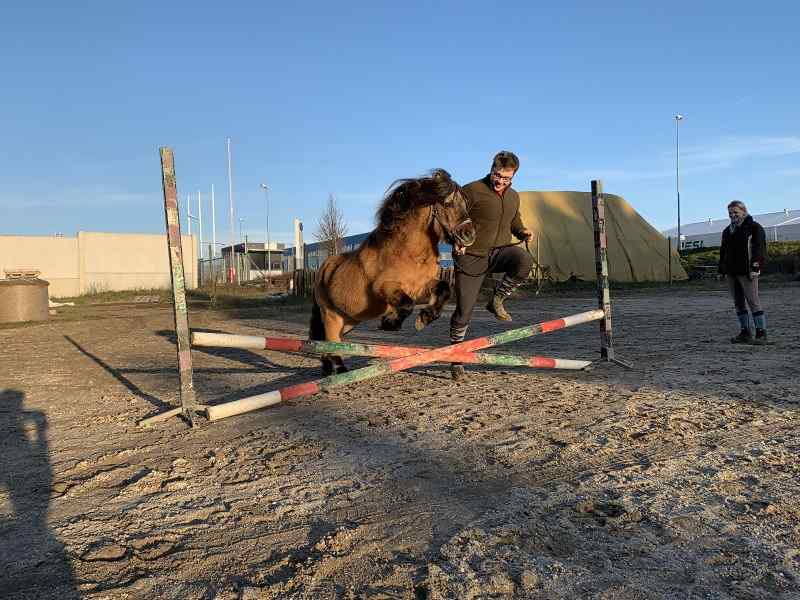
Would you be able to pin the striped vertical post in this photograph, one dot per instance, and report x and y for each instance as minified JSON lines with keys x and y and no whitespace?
{"x":601,"y":266}
{"x":444,"y":354}
{"x":188,"y":400}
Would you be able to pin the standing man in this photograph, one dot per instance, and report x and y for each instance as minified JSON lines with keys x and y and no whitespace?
{"x":494,"y":209}
{"x":741,"y":259}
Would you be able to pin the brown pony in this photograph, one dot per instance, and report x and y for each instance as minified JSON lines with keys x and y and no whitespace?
{"x":397,"y":265}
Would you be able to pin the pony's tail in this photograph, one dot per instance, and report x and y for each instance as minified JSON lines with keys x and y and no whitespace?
{"x":316,"y":330}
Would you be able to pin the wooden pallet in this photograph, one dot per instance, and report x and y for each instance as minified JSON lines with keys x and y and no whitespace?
{"x":22,"y":273}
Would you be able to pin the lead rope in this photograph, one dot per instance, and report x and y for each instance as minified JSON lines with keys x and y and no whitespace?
{"x":465,"y":272}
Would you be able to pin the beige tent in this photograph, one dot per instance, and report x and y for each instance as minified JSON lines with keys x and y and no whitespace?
{"x":563,"y":222}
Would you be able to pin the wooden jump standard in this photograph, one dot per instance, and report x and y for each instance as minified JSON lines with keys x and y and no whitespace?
{"x":188,"y":401}
{"x":254,"y":342}
{"x":446,"y":353}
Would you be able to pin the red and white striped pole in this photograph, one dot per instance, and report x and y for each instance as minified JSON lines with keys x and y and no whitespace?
{"x":446,"y":353}
{"x":254,"y":342}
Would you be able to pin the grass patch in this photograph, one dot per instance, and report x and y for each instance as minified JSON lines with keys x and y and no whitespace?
{"x":140,"y":295}
{"x":229,"y":297}
{"x":589,"y":288}
{"x":782,"y":257}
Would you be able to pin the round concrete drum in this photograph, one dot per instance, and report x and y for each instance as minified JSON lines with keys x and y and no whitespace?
{"x":23,"y":300}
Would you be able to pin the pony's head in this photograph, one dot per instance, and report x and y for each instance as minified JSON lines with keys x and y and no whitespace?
{"x":449,"y":216}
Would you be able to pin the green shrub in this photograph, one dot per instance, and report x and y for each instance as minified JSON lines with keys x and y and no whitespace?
{"x":782,"y":257}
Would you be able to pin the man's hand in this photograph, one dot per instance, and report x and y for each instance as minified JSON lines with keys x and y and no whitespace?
{"x":526,"y":234}
{"x":753,"y":275}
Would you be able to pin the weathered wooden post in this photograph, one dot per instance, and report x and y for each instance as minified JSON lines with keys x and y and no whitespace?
{"x":188,"y":401}
{"x":669,"y":257}
{"x":601,"y":266}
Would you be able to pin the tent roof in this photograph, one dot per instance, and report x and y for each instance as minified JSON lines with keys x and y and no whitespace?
{"x":563,"y":222}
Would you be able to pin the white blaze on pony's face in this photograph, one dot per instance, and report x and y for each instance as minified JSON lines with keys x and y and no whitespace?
{"x":501,"y":179}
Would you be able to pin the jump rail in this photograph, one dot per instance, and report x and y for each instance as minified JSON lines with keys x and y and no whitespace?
{"x":446,"y":353}
{"x":254,"y":342}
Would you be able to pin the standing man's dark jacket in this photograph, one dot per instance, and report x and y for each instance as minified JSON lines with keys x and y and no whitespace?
{"x":494,"y":218}
{"x":744,"y":250}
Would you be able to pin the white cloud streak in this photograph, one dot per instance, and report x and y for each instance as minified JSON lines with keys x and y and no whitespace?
{"x":730,"y":150}
{"x":700,"y":158}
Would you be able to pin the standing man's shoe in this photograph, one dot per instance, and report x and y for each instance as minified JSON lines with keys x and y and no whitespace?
{"x":761,"y":338}
{"x":744,"y":337}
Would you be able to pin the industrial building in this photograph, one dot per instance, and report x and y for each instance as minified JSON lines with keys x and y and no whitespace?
{"x":781,"y":226}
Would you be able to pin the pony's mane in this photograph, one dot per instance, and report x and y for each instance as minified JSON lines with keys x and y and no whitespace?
{"x":406,"y":195}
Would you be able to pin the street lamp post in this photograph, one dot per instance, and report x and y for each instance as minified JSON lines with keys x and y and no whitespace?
{"x":678,"y":119}
{"x":269,"y":249}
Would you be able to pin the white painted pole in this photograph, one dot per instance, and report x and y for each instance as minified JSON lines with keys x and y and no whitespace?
{"x":269,"y":249}
{"x":213,"y":225}
{"x":200,"y":221}
{"x":188,"y":214}
{"x":232,"y":230}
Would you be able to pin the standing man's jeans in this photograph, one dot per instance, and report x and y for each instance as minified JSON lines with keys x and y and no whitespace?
{"x":745,"y":293}
{"x":514,"y":261}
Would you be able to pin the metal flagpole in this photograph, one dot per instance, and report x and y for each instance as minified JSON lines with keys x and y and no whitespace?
{"x":200,"y":221}
{"x":213,"y":224}
{"x":232,"y":230}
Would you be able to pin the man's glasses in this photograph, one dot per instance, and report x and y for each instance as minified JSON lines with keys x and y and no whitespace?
{"x":500,"y":178}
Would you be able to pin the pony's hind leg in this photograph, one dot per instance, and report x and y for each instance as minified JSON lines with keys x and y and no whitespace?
{"x":439,"y":295}
{"x":316,"y":332}
{"x":337,"y":360}
{"x":335,"y":328}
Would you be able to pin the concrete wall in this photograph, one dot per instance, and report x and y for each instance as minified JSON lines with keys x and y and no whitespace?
{"x":98,"y":262}
{"x":55,"y":257}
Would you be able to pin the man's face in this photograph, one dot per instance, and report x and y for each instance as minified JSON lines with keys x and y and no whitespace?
{"x":501,"y":179}
{"x":736,"y":214}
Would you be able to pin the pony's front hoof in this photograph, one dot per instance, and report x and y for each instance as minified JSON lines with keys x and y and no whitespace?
{"x":390,"y":325}
{"x":327,"y":368}
{"x":424,"y":318}
{"x":341,"y":369}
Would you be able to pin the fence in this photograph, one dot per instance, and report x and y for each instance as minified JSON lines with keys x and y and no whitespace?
{"x":211,"y":271}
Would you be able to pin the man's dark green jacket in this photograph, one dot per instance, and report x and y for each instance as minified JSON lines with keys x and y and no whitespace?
{"x":493,"y":217}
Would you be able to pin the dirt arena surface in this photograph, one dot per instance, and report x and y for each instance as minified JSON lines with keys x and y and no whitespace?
{"x":679,"y":479}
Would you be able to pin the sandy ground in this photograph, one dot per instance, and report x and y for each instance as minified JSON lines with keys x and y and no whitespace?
{"x":678,"y":479}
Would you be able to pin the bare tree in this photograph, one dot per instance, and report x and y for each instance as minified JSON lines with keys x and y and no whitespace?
{"x":331,"y":228}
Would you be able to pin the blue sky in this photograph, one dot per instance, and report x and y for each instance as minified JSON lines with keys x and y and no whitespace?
{"x":345,"y":97}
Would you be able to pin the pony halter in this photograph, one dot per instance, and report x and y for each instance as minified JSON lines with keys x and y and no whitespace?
{"x":456,"y":234}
